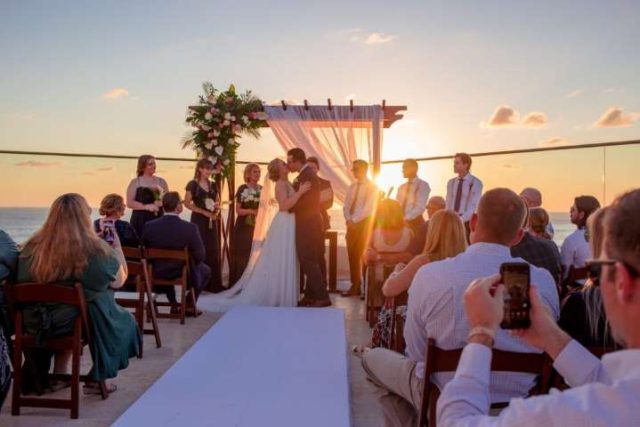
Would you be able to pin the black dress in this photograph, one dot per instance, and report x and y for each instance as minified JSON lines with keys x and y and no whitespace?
{"x":242,"y":237}
{"x":573,"y":320}
{"x":126,"y":233}
{"x":208,"y":231}
{"x":139,"y":217}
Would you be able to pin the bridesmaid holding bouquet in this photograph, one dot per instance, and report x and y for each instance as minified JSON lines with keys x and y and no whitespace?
{"x":247,"y":201}
{"x":202,"y":199}
{"x":144,"y":193}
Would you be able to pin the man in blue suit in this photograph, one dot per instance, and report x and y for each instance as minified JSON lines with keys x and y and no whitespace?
{"x":171,"y":232}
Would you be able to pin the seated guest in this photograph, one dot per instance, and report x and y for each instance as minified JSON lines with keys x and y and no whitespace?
{"x":605,"y":392}
{"x":533,"y":199}
{"x":539,"y":223}
{"x":8,"y":259}
{"x":575,"y":249}
{"x":392,"y":241}
{"x":435,"y":204}
{"x":112,"y":209}
{"x":435,"y":311}
{"x":582,"y":314}
{"x":171,"y":232}
{"x":66,"y":249}
{"x":446,"y":238}
{"x":540,"y":252}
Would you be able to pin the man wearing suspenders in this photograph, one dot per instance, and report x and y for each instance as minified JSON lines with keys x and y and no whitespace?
{"x":464,"y":191}
{"x":413,"y":196}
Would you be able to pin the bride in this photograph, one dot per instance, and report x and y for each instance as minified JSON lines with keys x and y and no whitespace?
{"x":272,"y":275}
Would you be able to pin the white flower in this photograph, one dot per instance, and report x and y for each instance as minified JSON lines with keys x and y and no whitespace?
{"x":226,"y":123}
{"x":216,"y":132}
{"x":209,"y":204}
{"x":208,"y":116}
{"x":226,"y":162}
{"x":214,"y":141}
{"x":245,"y":119}
{"x":209,"y":146}
{"x":205,"y":128}
{"x":219,"y":150}
{"x":211,"y":99}
{"x":227,"y":116}
{"x":233,"y":118}
{"x":213,"y":159}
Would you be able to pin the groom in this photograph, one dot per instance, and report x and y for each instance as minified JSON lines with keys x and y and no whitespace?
{"x":309,"y":231}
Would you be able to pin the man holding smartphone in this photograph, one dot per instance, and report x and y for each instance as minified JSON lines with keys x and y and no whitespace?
{"x":605,"y":392}
{"x":435,"y":311}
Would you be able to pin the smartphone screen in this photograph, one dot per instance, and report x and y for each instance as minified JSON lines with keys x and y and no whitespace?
{"x":515,"y":277}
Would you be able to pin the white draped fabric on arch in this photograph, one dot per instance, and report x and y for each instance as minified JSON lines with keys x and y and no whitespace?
{"x":335,"y":136}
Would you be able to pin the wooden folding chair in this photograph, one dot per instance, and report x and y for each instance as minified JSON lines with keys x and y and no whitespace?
{"x":438,"y":360}
{"x":397,"y":343}
{"x":571,"y":282}
{"x":376,"y":274}
{"x":23,"y":294}
{"x":143,"y":297}
{"x":182,"y":255}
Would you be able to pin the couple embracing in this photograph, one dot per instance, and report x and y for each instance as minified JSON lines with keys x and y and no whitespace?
{"x":288,"y":237}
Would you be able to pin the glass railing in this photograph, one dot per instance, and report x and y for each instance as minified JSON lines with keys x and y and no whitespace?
{"x":33,"y":180}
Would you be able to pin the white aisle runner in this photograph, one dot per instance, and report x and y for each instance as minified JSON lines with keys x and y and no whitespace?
{"x":257,"y":366}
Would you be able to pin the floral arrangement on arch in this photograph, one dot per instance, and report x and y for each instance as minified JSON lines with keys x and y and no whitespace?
{"x":219,"y":119}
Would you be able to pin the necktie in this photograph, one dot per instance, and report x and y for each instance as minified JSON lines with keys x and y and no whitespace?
{"x":352,"y":208}
{"x":406,"y":197}
{"x":456,"y":204}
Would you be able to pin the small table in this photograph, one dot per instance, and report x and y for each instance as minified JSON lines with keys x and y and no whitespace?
{"x":332,"y":236}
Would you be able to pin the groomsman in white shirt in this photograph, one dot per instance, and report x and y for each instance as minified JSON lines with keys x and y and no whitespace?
{"x":358,"y":209}
{"x":464,"y":191}
{"x":413,"y":196}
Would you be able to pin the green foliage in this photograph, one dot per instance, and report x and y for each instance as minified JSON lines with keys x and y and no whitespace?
{"x":219,"y":119}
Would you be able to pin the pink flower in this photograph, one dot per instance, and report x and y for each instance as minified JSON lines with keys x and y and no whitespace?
{"x":229,"y":100}
{"x":210,"y":135}
{"x":237,"y":128}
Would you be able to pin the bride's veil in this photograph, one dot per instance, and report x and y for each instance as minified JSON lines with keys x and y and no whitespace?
{"x":267,"y":210}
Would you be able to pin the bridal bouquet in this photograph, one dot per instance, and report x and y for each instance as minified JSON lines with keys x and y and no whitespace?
{"x":219,"y":119}
{"x":250,"y":199}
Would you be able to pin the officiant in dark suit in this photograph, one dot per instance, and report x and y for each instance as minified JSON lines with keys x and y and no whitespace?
{"x":309,"y":231}
{"x":172,"y":232}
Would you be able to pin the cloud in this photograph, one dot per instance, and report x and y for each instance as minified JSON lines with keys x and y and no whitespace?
{"x":534,"y":120}
{"x":358,"y":35}
{"x":615,"y":117}
{"x":505,"y":116}
{"x":88,"y":173}
{"x":575,"y":93}
{"x":37,"y":164}
{"x":554,"y":142}
{"x":379,"y":38}
{"x":115,"y":94}
{"x":105,"y":169}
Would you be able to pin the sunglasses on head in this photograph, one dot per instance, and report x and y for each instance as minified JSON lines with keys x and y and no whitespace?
{"x":594,"y":269}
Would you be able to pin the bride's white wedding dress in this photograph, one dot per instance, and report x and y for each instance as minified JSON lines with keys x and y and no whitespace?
{"x":272,"y":274}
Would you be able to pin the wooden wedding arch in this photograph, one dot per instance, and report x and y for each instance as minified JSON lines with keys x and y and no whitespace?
{"x":391,"y":114}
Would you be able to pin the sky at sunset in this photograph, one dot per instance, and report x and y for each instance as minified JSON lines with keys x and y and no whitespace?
{"x":116,"y":77}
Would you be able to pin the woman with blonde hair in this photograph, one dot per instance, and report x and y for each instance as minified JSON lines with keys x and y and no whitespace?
{"x":247,"y":198}
{"x":111,"y":211}
{"x":66,"y":249}
{"x":145,"y":192}
{"x":446,"y":238}
{"x":582,"y":314}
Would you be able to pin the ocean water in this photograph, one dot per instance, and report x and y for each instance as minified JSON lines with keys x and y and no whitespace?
{"x":20,"y":223}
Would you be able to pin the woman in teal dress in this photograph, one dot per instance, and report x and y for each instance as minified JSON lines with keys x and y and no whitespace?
{"x":66,"y":249}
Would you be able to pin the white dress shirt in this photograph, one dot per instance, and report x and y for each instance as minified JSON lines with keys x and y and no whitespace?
{"x":435,"y":310}
{"x":364,"y":205}
{"x":471,"y":193}
{"x":575,"y":251}
{"x":605,"y":393}
{"x":416,"y":192}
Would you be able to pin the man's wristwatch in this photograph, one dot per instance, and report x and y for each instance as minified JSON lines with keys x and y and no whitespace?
{"x":481,"y":335}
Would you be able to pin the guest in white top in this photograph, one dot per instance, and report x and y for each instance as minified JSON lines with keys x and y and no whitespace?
{"x":464,"y":191}
{"x":358,"y":209}
{"x":575,"y":250}
{"x":605,"y":392}
{"x":435,"y":311}
{"x":533,"y":198}
{"x":413,"y":196}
